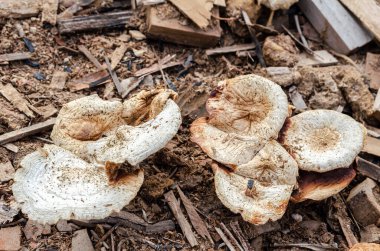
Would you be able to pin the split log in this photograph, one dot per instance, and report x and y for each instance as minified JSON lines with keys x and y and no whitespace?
{"x":108,"y":20}
{"x":27,"y":131}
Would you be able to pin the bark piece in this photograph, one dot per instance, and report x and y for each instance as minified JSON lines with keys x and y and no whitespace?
{"x":195,"y":10}
{"x":15,"y":56}
{"x":49,"y":11}
{"x":182,"y":221}
{"x":81,"y":241}
{"x":10,"y":238}
{"x":13,"y":96}
{"x":372,"y":69}
{"x":58,"y":80}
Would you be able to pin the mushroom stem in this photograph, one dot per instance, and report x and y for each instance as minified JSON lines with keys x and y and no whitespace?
{"x":270,"y":19}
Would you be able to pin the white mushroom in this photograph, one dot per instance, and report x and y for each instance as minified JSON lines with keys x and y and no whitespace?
{"x":260,"y":189}
{"x":98,"y":131}
{"x":323,"y":140}
{"x":55,"y":184}
{"x":249,"y":109}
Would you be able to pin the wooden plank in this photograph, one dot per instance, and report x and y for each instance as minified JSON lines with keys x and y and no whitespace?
{"x":172,"y":30}
{"x":82,"y":23}
{"x":372,"y":69}
{"x":90,"y":57}
{"x":58,"y":80}
{"x":335,"y":25}
{"x":49,"y":11}
{"x":368,"y":12}
{"x":15,"y":56}
{"x":19,"y":8}
{"x":372,"y":146}
{"x":182,"y":221}
{"x":368,"y":168}
{"x":27,"y":131}
{"x":14,"y":97}
{"x":229,"y":49}
{"x":319,"y":58}
{"x":195,"y":10}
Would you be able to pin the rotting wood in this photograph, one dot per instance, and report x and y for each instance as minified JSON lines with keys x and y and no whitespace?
{"x":58,"y":80}
{"x":231,"y":236}
{"x":15,"y":56}
{"x":372,"y":146}
{"x":113,"y":75}
{"x":118,"y":55}
{"x":225,"y":239}
{"x":368,"y":168}
{"x":195,"y":10}
{"x":26,"y":131}
{"x":347,"y":232}
{"x":108,"y":20}
{"x":182,"y":221}
{"x":239,"y":234}
{"x":14,"y":97}
{"x":367,"y":11}
{"x":195,"y":219}
{"x":335,"y":24}
{"x":318,"y":58}
{"x":19,"y":8}
{"x":229,"y":49}
{"x":89,"y":81}
{"x":49,"y":11}
{"x":174,"y":31}
{"x":90,"y":57}
{"x":372,"y":69}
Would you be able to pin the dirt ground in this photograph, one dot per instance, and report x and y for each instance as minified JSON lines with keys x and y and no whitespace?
{"x":182,"y":162}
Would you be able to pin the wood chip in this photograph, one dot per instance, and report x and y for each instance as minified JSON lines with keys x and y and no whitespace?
{"x":128,"y":85}
{"x":49,"y":11}
{"x":297,"y":99}
{"x":372,"y":146}
{"x":58,"y":80}
{"x":195,"y":10}
{"x":89,"y":81}
{"x":231,"y":236}
{"x":27,"y":131}
{"x":239,"y":234}
{"x":14,"y":97}
{"x":46,"y":111}
{"x":19,"y":8}
{"x":11,"y":147}
{"x":10,"y":238}
{"x":7,"y":171}
{"x":81,"y":241}
{"x":90,"y":57}
{"x":347,"y":232}
{"x":372,"y":69}
{"x":368,"y":169}
{"x":229,"y":49}
{"x":15,"y":56}
{"x":156,"y":67}
{"x":318,"y":58}
{"x":195,"y":219}
{"x":225,"y":239}
{"x":118,"y":55}
{"x":182,"y":221}
{"x":114,"y":77}
{"x":63,"y":226}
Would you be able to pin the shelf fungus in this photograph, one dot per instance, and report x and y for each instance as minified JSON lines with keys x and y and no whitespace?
{"x":244,"y":114}
{"x":55,"y":184}
{"x":324,"y":143}
{"x":112,"y":133}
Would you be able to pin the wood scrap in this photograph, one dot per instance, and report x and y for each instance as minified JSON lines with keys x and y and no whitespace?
{"x":335,"y":24}
{"x":58,"y":80}
{"x":239,"y":234}
{"x":367,"y":11}
{"x":6,"y":171}
{"x":252,"y":32}
{"x":14,"y":97}
{"x":372,"y":146}
{"x":49,"y":11}
{"x":182,"y":221}
{"x":165,"y":63}
{"x":195,"y":219}
{"x":90,"y":57}
{"x":11,"y":147}
{"x":19,"y":8}
{"x":368,"y":168}
{"x":89,"y":81}
{"x":82,"y":23}
{"x":15,"y":56}
{"x":372,"y":69}
{"x":231,"y":236}
{"x":195,"y":10}
{"x":221,"y":3}
{"x":225,"y":239}
{"x":118,"y":55}
{"x":347,"y":232}
{"x":229,"y":49}
{"x":174,"y":31}
{"x":113,"y":75}
{"x":318,"y":58}
{"x":26,"y":131}
{"x":129,"y":84}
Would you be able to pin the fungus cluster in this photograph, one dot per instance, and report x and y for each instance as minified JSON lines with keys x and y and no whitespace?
{"x":263,"y":155}
{"x":92,"y":168}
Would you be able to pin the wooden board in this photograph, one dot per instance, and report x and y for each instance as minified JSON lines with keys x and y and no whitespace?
{"x":195,"y":10}
{"x":172,"y":30}
{"x":372,"y":69}
{"x":368,"y":12}
{"x":335,"y":25}
{"x":320,"y":58}
{"x":19,"y":8}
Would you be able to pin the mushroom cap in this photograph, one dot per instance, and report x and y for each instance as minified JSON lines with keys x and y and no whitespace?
{"x":323,"y":140}
{"x":134,"y":144}
{"x":269,"y":202}
{"x":55,"y":184}
{"x":319,"y":186}
{"x":246,"y":111}
{"x":272,"y":173}
{"x":82,"y":123}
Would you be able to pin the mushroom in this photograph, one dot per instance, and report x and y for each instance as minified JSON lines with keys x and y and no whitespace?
{"x":260,"y":189}
{"x":274,"y":5}
{"x":244,"y":113}
{"x":324,"y":143}
{"x":98,"y":131}
{"x":55,"y":184}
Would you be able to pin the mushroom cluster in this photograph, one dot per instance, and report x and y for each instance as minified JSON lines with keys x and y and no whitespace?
{"x":92,"y":169}
{"x":262,"y":155}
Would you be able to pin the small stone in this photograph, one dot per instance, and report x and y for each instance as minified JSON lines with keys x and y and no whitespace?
{"x":81,"y":241}
{"x":6,"y":171}
{"x":10,"y":238}
{"x":63,"y":226}
{"x":137,"y":35}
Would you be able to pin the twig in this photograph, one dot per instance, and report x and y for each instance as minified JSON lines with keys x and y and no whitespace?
{"x":303,"y":39}
{"x":236,"y":228}
{"x":44,"y":140}
{"x":345,"y":58}
{"x":105,"y":236}
{"x":307,"y":49}
{"x":113,"y":76}
{"x":225,"y":239}
{"x":90,"y":57}
{"x":231,"y":236}
{"x":11,"y":224}
{"x":350,"y":237}
{"x":224,"y":18}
